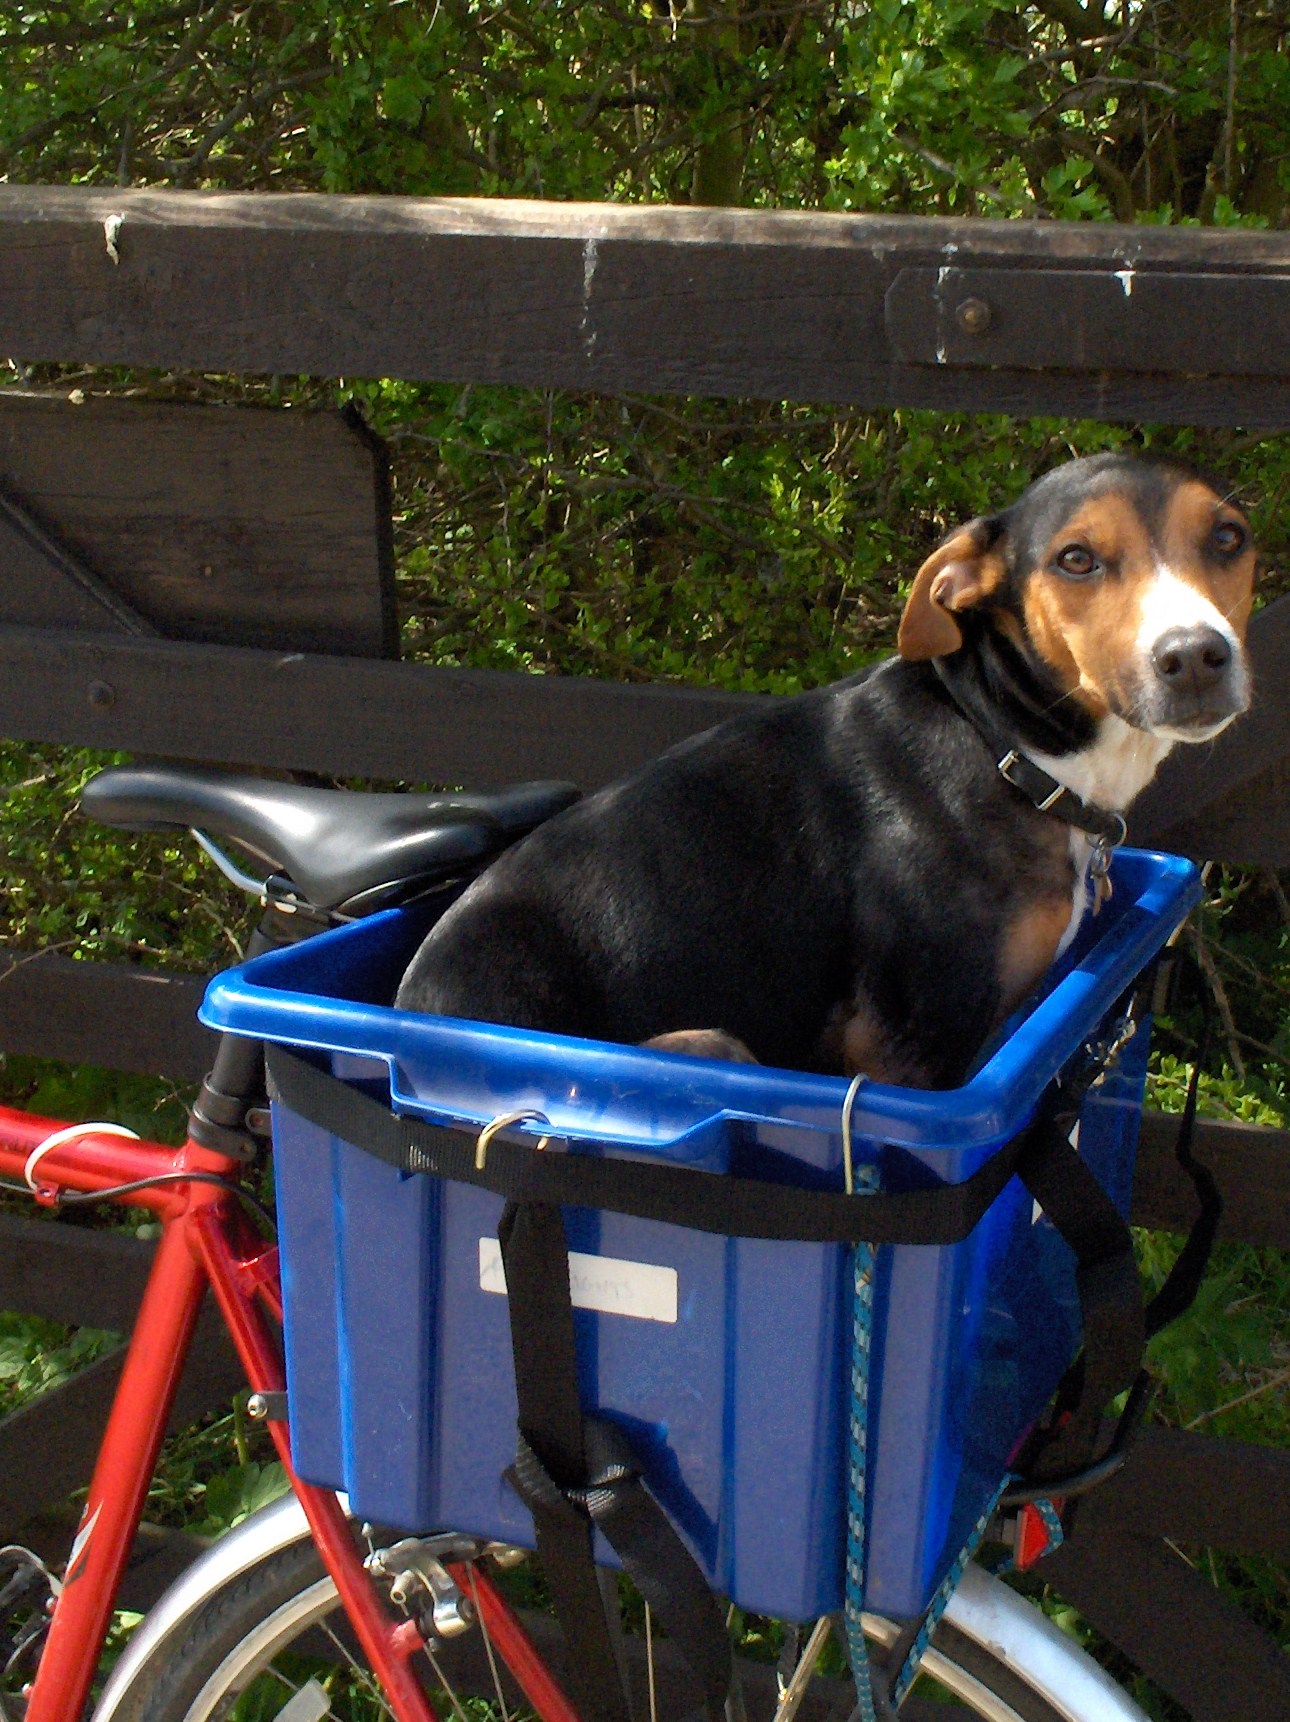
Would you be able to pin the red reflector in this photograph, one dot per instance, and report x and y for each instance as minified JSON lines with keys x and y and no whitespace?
{"x":1034,"y":1538}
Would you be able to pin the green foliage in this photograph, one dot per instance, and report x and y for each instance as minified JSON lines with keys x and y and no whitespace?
{"x":234,"y":1494}
{"x":1225,"y":1363}
{"x":213,"y":1475}
{"x":152,"y":1109}
{"x":1240,"y":942}
{"x":753,"y":546}
{"x":88,"y":890}
{"x":974,"y":106}
{"x":36,"y":1354}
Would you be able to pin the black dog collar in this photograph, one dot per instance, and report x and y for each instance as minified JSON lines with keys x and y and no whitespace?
{"x":1039,"y":787}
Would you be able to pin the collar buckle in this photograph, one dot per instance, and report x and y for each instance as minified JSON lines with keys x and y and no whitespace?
{"x":1022,"y":773}
{"x":1008,"y":768}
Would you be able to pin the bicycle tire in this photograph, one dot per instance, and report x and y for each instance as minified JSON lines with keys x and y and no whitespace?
{"x":234,"y":1649}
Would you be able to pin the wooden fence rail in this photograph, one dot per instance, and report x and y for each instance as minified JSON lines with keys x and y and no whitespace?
{"x":1177,"y":325}
{"x":179,"y":585}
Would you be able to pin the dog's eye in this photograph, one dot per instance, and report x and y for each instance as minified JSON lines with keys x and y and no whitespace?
{"x":1228,"y":537}
{"x":1077,"y":562}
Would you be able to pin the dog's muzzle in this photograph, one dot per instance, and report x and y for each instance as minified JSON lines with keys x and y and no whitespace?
{"x":1198,"y":682}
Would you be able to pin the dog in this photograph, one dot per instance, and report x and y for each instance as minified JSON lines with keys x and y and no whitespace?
{"x":870,"y":878}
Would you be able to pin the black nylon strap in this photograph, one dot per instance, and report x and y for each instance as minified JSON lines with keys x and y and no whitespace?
{"x":535,"y":1256}
{"x":705,"y":1201}
{"x":573,"y":1471}
{"x":653,"y":1556}
{"x":658,"y":1562}
{"x":551,"y":1455}
{"x":1178,"y":1293}
{"x":1110,"y":1293}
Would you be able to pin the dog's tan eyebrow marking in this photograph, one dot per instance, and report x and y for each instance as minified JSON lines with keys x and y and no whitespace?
{"x":1085,"y":628}
{"x":1194,"y":512}
{"x":1109,"y":523}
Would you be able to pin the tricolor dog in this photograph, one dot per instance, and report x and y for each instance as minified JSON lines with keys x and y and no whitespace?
{"x":869,"y":878}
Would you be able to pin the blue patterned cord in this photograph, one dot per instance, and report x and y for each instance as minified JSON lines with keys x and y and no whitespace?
{"x":948,"y":1585}
{"x":1052,"y":1524}
{"x":865,"y":1179}
{"x":857,"y":1456}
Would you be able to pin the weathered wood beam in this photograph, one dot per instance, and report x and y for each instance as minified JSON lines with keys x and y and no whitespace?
{"x":42,"y":586}
{"x":346,"y":715}
{"x":244,"y":706}
{"x":244,"y":526}
{"x":74,"y":1274}
{"x":111,"y":1014}
{"x":1196,"y":1490}
{"x":1250,"y":1163}
{"x":48,"y":1446}
{"x":128,"y":1018}
{"x":160,"y":1554}
{"x":1169,"y":1619}
{"x":1083,"y":318}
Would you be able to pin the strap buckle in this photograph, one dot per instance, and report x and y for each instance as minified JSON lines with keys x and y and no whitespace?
{"x":1007,"y":768}
{"x":1010,"y":769}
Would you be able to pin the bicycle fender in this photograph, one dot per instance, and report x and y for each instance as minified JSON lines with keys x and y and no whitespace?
{"x":277,"y":1526}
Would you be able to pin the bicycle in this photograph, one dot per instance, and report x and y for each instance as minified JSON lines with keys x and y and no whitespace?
{"x":292,"y":1615}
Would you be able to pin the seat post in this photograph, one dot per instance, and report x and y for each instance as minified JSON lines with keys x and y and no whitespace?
{"x":234,"y":1085}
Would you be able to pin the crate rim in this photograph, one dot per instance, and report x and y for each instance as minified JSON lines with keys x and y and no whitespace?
{"x":991,"y":1107}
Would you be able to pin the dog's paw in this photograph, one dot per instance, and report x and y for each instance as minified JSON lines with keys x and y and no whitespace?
{"x":702,"y":1043}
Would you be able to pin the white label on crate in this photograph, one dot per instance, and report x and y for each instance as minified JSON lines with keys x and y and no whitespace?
{"x":604,"y":1283}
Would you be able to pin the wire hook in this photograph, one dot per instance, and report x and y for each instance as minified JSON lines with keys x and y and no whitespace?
{"x":501,"y":1122}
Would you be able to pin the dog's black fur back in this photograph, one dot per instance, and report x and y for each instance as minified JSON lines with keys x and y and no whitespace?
{"x":803,"y":842}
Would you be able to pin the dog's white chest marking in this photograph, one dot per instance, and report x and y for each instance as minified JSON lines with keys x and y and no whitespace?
{"x":1118,"y":767}
{"x":1081,"y":897}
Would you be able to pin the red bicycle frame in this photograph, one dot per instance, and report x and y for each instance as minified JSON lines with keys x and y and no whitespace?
{"x":205,"y":1240}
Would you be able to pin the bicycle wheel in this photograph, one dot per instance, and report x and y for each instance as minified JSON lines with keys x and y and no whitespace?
{"x":273,"y":1645}
{"x":962,"y":1679}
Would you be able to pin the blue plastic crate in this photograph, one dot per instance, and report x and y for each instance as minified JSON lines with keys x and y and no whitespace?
{"x":725,"y":1359}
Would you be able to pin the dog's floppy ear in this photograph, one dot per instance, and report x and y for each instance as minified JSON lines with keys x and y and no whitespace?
{"x":959,"y":573}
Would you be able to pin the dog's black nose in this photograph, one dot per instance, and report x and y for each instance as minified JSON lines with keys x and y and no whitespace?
{"x":1191,"y":659}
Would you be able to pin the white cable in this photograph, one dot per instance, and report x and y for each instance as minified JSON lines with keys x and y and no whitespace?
{"x":69,"y":1134}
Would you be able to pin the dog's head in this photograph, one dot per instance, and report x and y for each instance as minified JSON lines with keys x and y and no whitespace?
{"x":1126,"y":581}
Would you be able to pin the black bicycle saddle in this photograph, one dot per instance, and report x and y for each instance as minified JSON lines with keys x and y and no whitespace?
{"x":333,"y":845}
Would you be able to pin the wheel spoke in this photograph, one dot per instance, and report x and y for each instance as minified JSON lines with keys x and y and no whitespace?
{"x":280,"y":1645}
{"x":457,"y":1706}
{"x":793,"y":1694}
{"x":649,"y":1663}
{"x":488,"y":1645}
{"x":362,"y":1674}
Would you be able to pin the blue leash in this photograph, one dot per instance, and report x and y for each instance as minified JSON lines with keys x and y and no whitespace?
{"x":859,"y":1180}
{"x":864,"y":1178}
{"x":857,"y":1459}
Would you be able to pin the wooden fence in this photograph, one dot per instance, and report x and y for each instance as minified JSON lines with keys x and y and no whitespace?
{"x":172,"y":580}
